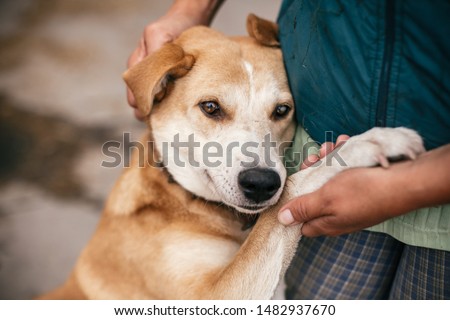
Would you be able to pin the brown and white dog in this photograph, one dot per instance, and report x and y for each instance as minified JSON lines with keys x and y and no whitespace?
{"x":175,"y":232}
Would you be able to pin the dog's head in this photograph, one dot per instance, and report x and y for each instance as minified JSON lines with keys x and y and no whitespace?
{"x":218,"y":108}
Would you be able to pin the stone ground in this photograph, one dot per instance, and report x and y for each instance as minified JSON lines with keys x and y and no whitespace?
{"x":61,"y":98}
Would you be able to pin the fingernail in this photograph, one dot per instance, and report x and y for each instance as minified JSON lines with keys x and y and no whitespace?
{"x":285,"y":217}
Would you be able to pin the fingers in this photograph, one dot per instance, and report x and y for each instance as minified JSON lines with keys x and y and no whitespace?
{"x":342,"y":139}
{"x":325,"y":149}
{"x":131,"y":99}
{"x":308,"y":211}
{"x":135,"y":57}
{"x":152,"y":39}
{"x":300,"y":210}
{"x":309,"y":161}
{"x":138,"y":114}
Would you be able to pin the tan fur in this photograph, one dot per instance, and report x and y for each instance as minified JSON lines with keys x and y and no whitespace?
{"x":156,"y":240}
{"x":266,"y":32}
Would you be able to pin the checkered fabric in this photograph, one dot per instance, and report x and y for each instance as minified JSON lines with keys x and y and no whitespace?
{"x":422,"y":274}
{"x":367,"y":265}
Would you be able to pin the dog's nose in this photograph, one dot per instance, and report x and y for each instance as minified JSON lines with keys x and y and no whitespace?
{"x":259,"y":184}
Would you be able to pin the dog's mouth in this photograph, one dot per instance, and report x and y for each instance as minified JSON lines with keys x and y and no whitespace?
{"x":251,"y":209}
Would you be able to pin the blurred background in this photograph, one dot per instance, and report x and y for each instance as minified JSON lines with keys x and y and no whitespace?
{"x":61,"y":98}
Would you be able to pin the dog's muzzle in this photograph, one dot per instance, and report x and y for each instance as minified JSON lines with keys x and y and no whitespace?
{"x":259,"y":185}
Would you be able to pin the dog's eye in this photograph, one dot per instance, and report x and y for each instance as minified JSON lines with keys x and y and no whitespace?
{"x":281,"y":110}
{"x":210,"y":108}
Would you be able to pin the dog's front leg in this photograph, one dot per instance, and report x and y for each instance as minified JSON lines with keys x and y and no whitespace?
{"x":255,"y":271}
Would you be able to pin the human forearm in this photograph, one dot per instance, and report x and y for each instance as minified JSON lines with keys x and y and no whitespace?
{"x":425,"y":181}
{"x":199,"y":11}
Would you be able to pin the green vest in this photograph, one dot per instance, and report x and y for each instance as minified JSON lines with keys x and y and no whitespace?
{"x":354,"y":65}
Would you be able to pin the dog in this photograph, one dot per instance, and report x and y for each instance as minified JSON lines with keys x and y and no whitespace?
{"x":173,"y":226}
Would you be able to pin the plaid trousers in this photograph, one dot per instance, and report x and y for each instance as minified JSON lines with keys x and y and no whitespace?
{"x":367,"y":265}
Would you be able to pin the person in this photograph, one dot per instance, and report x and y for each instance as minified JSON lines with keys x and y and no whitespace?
{"x":369,"y":233}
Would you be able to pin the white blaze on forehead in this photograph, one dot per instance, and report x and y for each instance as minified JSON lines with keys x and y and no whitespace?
{"x":251,"y":94}
{"x":249,"y":69}
{"x":260,"y":92}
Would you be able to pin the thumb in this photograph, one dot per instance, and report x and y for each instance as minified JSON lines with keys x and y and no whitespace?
{"x":300,"y":210}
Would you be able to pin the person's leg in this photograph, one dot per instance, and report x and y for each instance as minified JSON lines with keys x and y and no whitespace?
{"x":422,"y":274}
{"x":361,"y":265}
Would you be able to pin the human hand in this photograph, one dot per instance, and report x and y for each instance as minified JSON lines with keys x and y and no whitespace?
{"x":336,"y":208}
{"x":351,"y":201}
{"x":182,"y":15}
{"x":362,"y":197}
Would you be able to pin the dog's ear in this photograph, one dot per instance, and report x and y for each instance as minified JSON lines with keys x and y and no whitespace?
{"x":149,"y":78}
{"x":264,"y":31}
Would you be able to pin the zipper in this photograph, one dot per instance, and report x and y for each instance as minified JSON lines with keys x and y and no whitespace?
{"x":383,"y":87}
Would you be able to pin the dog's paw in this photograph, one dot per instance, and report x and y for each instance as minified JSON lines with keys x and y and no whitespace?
{"x":378,"y":145}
